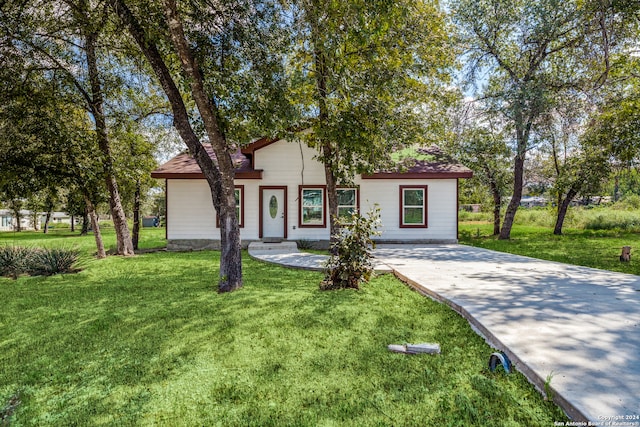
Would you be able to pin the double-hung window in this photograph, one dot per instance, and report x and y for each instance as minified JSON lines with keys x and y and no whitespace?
{"x":239,"y":191}
{"x":312,"y":206}
{"x":347,"y":202}
{"x":413,"y":206}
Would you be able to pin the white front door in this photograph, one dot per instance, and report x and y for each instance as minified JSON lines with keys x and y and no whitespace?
{"x":273,"y":213}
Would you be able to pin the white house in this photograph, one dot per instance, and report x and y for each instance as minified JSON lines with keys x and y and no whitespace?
{"x":9,"y":223}
{"x":281,"y":195}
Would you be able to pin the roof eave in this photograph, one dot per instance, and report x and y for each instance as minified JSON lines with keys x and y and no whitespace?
{"x":418,"y":175}
{"x":255,"y":174}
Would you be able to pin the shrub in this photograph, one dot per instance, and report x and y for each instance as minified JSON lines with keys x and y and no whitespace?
{"x":47,"y":262}
{"x":350,"y":262}
{"x":304,"y":244}
{"x":629,"y":202}
{"x":16,"y":260}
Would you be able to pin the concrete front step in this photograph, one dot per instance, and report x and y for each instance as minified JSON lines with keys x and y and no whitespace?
{"x":281,"y":247}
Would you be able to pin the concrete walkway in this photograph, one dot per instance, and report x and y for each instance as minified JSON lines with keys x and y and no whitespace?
{"x":578,"y":327}
{"x":288,"y":255}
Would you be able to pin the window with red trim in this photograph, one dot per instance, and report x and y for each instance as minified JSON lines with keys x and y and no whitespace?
{"x":312,"y":206}
{"x":239,"y":190}
{"x":413,"y":206}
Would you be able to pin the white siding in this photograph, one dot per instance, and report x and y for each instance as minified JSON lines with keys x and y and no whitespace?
{"x":190,"y":212}
{"x":441,"y":207}
{"x":283,"y":166}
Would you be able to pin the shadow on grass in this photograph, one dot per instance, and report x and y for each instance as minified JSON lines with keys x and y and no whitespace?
{"x":147,"y":340}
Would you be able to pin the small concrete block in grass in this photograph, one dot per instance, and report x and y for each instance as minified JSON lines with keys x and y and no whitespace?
{"x":428,"y":348}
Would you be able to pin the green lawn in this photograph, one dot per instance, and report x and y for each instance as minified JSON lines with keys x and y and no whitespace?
{"x":148,"y":341}
{"x":590,"y":248}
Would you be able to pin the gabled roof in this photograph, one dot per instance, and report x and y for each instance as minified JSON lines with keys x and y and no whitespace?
{"x":428,"y":162}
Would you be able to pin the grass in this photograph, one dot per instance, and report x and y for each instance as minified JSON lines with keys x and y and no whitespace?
{"x":590,"y":248}
{"x":147,"y":341}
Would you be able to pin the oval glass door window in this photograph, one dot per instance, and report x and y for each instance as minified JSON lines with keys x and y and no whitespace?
{"x":273,"y":206}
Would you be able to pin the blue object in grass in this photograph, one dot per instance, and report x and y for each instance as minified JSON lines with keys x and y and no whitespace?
{"x":499,"y":358}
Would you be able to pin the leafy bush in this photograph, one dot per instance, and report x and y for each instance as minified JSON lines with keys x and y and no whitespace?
{"x":17,"y":260}
{"x":629,"y":202}
{"x":350,"y":262}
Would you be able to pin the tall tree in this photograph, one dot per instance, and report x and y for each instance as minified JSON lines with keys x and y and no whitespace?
{"x":533,"y":50}
{"x":232,"y":73}
{"x":366,"y":78}
{"x":63,"y":37}
{"x":46,"y":140}
{"x":480,"y":142}
{"x":575,"y":164}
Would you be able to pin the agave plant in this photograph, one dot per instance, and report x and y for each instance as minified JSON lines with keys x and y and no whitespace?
{"x":50,"y":261}
{"x":14,"y":260}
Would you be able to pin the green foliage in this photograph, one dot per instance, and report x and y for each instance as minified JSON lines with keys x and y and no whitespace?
{"x":629,"y":202}
{"x":18,"y":260}
{"x":304,"y":243}
{"x":50,"y":261}
{"x":369,"y":77}
{"x":474,"y":216}
{"x":14,"y":260}
{"x":619,"y":216}
{"x":350,"y":262}
{"x":616,"y":220}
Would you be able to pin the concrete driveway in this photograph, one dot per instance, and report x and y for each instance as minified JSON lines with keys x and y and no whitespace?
{"x":578,"y":326}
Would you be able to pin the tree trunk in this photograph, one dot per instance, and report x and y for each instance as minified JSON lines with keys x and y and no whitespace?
{"x":85,"y":222}
{"x":101,"y":253}
{"x":73,"y":223}
{"x":125,"y":246}
{"x":220,"y":176}
{"x":332,"y":198}
{"x":231,"y":253}
{"x":562,"y":211}
{"x":18,"y":226}
{"x":46,"y":222}
{"x":136,"y":216}
{"x":328,"y":153}
{"x":514,"y":203}
{"x":497,"y":204}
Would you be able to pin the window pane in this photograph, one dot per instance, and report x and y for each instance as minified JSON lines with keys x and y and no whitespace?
{"x":238,"y":206}
{"x":413,"y":216}
{"x":345,"y":212}
{"x":414,"y":197}
{"x":312,"y":215}
{"x":347,"y":197}
{"x":312,"y":197}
